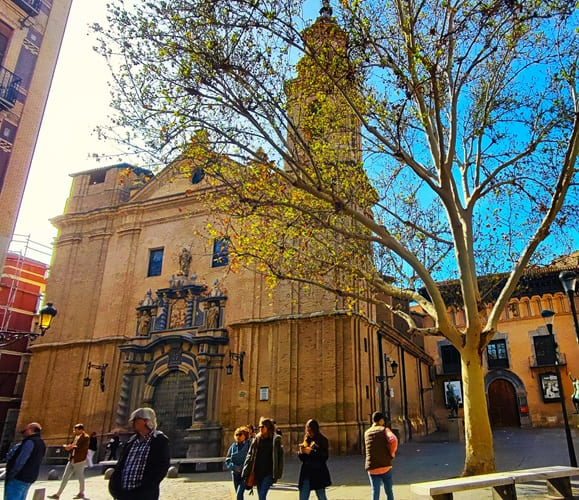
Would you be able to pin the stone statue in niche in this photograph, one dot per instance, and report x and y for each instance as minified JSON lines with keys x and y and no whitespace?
{"x":217,"y":289}
{"x":212,"y":316}
{"x":144,"y":323}
{"x":148,"y":300}
{"x":178,"y":314}
{"x":185,"y":261}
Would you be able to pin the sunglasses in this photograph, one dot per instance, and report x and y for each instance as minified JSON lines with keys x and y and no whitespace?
{"x":239,"y":434}
{"x":261,"y":426}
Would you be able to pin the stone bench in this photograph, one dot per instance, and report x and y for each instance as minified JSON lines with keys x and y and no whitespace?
{"x":184,"y":465}
{"x":558,"y":480}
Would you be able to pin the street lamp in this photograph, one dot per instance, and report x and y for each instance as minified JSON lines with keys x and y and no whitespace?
{"x":103,"y":369}
{"x":238,"y":358}
{"x":384,"y":379}
{"x":548,"y":316}
{"x":45,"y":316}
{"x":568,"y":280}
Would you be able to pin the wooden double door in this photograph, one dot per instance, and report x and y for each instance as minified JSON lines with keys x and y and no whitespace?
{"x":503,"y":404}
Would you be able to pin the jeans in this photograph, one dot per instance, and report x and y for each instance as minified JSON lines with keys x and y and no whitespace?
{"x":305,"y":491}
{"x":238,"y":484}
{"x":15,"y":490}
{"x":376,"y":480}
{"x":78,"y":471}
{"x":263,"y":487}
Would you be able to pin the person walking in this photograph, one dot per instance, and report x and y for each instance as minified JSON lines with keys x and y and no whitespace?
{"x":113,"y":446}
{"x":236,"y":458}
{"x":78,"y":450}
{"x":381,"y":445}
{"x":314,"y":453}
{"x":23,"y":463}
{"x":92,"y":449}
{"x":144,"y":461}
{"x":265,"y":459}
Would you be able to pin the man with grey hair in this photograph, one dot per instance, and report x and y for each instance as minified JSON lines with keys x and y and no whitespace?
{"x":144,"y":460}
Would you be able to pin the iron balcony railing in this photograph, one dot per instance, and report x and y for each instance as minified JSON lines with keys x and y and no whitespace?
{"x":31,"y":7}
{"x":9,"y":83}
{"x":547,"y":361}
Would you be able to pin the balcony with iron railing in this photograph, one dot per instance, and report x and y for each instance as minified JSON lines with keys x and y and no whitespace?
{"x":9,"y":83}
{"x":31,"y":7}
{"x":547,"y":361}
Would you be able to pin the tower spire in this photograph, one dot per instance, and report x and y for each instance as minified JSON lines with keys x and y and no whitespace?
{"x":326,"y":10}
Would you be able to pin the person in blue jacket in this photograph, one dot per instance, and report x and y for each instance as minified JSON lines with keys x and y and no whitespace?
{"x":23,"y":463}
{"x":236,"y":457}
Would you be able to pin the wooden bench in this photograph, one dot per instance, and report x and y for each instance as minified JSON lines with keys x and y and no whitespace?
{"x":558,"y":480}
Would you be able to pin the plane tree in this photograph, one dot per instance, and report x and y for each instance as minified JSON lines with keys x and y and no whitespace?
{"x":376,"y":148}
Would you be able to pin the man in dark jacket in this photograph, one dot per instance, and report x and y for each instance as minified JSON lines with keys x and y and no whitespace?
{"x":23,"y":463}
{"x":144,"y":460}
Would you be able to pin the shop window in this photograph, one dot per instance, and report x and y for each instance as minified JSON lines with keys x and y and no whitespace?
{"x":155,"y":262}
{"x":497,"y":354}
{"x":450,"y":359}
{"x":220,"y":252}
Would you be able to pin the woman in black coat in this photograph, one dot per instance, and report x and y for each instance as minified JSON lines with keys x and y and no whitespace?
{"x":314,"y":452}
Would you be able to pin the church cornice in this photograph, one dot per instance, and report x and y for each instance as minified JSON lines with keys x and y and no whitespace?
{"x":80,"y":342}
{"x":301,"y":316}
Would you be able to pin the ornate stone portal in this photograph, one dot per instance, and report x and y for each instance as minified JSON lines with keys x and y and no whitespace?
{"x":174,"y":364}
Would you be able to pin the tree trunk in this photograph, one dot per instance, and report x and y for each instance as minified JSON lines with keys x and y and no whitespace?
{"x":480,"y":457}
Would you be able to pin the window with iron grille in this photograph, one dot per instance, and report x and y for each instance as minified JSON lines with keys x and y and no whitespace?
{"x":497,"y":354}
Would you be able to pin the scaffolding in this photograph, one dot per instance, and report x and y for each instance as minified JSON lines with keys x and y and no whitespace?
{"x":23,"y":248}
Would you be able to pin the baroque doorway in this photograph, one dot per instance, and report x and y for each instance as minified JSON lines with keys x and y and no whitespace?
{"x":503,"y":404}
{"x":173,"y":401}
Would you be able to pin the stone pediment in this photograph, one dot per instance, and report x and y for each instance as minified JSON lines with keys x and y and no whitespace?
{"x":178,"y":178}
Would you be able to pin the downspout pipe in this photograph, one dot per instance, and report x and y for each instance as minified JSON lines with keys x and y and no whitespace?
{"x":405,"y":393}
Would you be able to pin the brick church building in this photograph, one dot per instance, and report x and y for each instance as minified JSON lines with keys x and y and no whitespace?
{"x":149,"y":315}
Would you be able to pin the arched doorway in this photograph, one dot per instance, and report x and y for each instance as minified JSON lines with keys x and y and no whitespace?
{"x":173,"y":402}
{"x":503,"y":404}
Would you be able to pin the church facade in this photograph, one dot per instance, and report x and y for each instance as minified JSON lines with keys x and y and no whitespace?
{"x":150,"y":314}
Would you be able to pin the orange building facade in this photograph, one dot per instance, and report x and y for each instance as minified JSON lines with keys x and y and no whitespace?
{"x":520,"y":362}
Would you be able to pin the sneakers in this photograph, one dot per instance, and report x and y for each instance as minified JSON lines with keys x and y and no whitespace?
{"x":56,"y":495}
{"x":79,"y":495}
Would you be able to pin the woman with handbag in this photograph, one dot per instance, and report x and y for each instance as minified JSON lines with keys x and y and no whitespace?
{"x":314,"y":452}
{"x":264,"y":463}
{"x":236,"y":458}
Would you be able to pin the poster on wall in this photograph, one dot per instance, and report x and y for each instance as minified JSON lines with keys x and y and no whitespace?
{"x":550,"y":387}
{"x":452,"y":393}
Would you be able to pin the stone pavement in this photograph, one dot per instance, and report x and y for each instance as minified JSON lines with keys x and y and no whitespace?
{"x":420,"y":460}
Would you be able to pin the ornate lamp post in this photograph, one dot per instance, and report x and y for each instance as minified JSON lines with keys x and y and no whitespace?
{"x":548,"y":317}
{"x":568,"y":280}
{"x":45,"y":316}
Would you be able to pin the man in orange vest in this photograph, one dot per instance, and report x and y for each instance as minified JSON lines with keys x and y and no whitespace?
{"x":381,"y":445}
